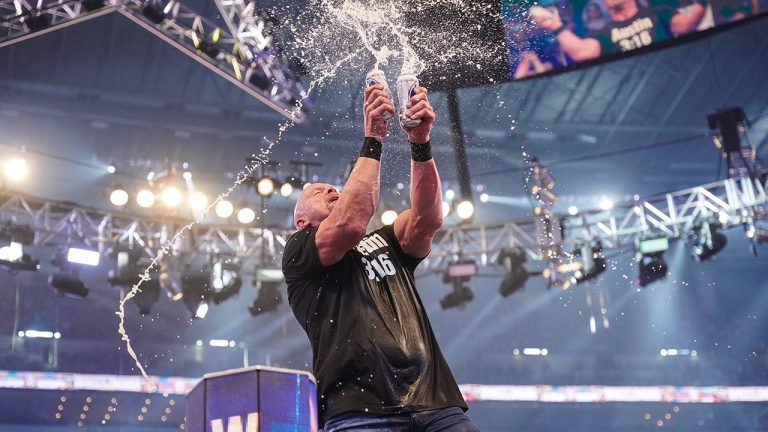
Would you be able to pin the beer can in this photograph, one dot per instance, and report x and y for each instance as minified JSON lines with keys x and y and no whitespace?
{"x":406,"y":88}
{"x":376,"y":76}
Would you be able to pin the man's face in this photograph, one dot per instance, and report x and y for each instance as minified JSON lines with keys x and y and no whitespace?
{"x":315,"y":204}
{"x":621,"y":10}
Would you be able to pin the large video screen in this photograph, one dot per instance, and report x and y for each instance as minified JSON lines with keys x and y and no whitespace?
{"x":547,"y":35}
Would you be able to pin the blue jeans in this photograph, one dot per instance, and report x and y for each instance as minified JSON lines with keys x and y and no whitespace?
{"x":438,"y":420}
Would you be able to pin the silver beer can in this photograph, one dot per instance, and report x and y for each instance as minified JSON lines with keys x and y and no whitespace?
{"x":406,"y":88}
{"x":376,"y":76}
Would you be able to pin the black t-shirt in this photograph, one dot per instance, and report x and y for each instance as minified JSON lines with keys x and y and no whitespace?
{"x":373,"y":348}
{"x":649,"y":25}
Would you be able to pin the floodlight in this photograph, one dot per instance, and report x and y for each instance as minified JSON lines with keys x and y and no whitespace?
{"x":388,"y":217}
{"x":446,"y":208}
{"x":118,"y":196}
{"x":148,"y":295}
{"x":225,"y":280}
{"x":145,"y":198}
{"x":198,"y":201}
{"x":257,"y":77}
{"x":484,"y":197}
{"x":286,"y":189}
{"x":36,"y":22}
{"x":246,"y":215}
{"x":515,"y":273}
{"x":171,"y":196}
{"x":605,"y":203}
{"x":111,"y":169}
{"x":573,"y":210}
{"x":459,"y":297}
{"x":92,"y":5}
{"x":465,"y":209}
{"x":12,"y":232}
{"x":265,"y":186}
{"x":16,"y":169}
{"x":83,"y":256}
{"x":154,"y":12}
{"x":12,"y":257}
{"x":652,"y":267}
{"x":67,"y":282}
{"x":706,"y":240}
{"x":224,"y":209}
{"x":449,"y":194}
{"x":195,"y":287}
{"x":591,"y":264}
{"x":268,"y":299}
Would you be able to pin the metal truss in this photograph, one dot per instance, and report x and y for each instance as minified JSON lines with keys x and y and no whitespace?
{"x":246,"y":60}
{"x":734,"y":202}
{"x":60,"y":224}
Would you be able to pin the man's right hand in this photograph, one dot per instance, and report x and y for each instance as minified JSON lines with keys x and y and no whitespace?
{"x":545,"y":18}
{"x":377,"y":102}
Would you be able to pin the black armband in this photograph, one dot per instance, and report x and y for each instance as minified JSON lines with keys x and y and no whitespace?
{"x":371,"y":148}
{"x":421,"y":152}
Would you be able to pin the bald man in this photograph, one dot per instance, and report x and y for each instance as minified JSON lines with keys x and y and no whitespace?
{"x":376,"y":359}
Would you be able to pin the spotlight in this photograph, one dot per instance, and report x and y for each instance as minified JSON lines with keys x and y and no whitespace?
{"x":484,"y":197}
{"x":265,"y":186}
{"x":388,"y":217}
{"x":446,"y":208}
{"x":652,"y":267}
{"x":154,"y":12}
{"x":171,"y":196}
{"x":145,"y":198}
{"x":195,"y":288}
{"x":67,"y":283}
{"x":459,"y":297}
{"x":706,"y":240}
{"x":592,"y":261}
{"x":83,"y":256}
{"x":225,"y":280}
{"x":16,"y":169}
{"x":127,"y":268}
{"x":257,"y":77}
{"x":118,"y":196}
{"x":198,"y":201}
{"x":36,"y":22}
{"x":246,"y":215}
{"x":605,"y":204}
{"x":12,"y":258}
{"x":148,"y":295}
{"x":515,"y":274}
{"x":92,"y":5}
{"x":465,"y":209}
{"x":573,"y":210}
{"x":224,"y":209}
{"x":286,"y":189}
{"x":449,"y":194}
{"x":17,"y":233}
{"x":268,"y":299}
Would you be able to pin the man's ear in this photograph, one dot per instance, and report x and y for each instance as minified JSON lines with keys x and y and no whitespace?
{"x":302,"y":223}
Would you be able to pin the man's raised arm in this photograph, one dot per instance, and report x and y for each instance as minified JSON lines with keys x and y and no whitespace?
{"x":346,"y":224}
{"x":415,"y":227}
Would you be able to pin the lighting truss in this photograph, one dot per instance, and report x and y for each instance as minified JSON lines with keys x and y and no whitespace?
{"x":732,"y":201}
{"x":233,"y":57}
{"x":55,"y":222}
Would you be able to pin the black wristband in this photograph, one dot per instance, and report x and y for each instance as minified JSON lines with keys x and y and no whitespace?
{"x":421,"y":152}
{"x":371,"y":148}
{"x":559,"y":30}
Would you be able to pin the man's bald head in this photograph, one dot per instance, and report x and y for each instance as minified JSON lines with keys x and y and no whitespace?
{"x":314,"y":204}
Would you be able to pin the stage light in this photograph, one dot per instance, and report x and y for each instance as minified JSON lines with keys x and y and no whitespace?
{"x":148,"y":295}
{"x":187,"y":175}
{"x":171,"y":196}
{"x":265,"y":186}
{"x":706,"y":240}
{"x":12,"y":232}
{"x":449,"y":194}
{"x":652,"y":267}
{"x":154,"y":12}
{"x":592,"y":263}
{"x":36,"y":22}
{"x":459,"y":297}
{"x":651,"y":244}
{"x":286,"y":189}
{"x":605,"y":204}
{"x":224,"y":209}
{"x":195,"y":287}
{"x":111,"y":169}
{"x":268,"y":299}
{"x":573,"y":210}
{"x":446,"y":208}
{"x":465,"y":209}
{"x":92,"y":5}
{"x":198,"y":201}
{"x":83,"y":256}
{"x":66,"y":282}
{"x":388,"y":217}
{"x":225,"y":280}
{"x":145,"y":198}
{"x":484,"y":197}
{"x":515,"y":273}
{"x":12,"y":258}
{"x":118,"y":196}
{"x":556,"y":279}
{"x":257,"y":77}
{"x":16,"y":169}
{"x":246,"y":215}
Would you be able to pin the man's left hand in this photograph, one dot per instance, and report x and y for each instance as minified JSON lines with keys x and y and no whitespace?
{"x":418,"y":107}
